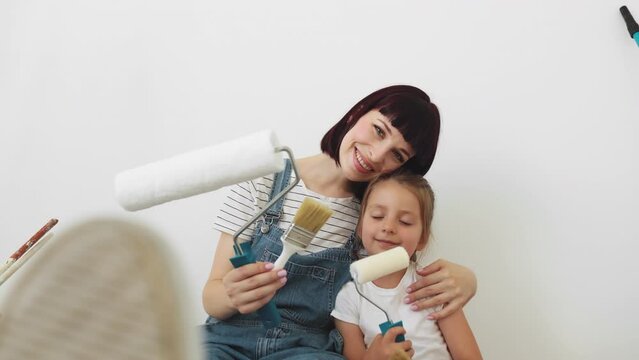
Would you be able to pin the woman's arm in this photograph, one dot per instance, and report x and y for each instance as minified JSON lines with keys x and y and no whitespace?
{"x":382,"y":347}
{"x":459,"y":337}
{"x":442,"y":283}
{"x":229,"y":290}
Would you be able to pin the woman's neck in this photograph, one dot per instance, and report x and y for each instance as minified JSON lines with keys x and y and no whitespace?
{"x":390,"y":281}
{"x":321,"y":174}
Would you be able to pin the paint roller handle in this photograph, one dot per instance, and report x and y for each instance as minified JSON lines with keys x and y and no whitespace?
{"x":385,"y":326}
{"x":268,"y":313}
{"x":631,"y":24}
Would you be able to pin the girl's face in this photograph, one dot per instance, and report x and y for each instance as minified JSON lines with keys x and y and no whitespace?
{"x":372,"y":146}
{"x":391,"y":218}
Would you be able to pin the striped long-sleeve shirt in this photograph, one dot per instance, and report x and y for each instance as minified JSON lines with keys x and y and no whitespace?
{"x":245,"y":199}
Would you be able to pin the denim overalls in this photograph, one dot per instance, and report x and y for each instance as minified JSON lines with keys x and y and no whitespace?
{"x":305,"y":302}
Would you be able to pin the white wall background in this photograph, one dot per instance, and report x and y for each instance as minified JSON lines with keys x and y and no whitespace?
{"x":536,"y":176}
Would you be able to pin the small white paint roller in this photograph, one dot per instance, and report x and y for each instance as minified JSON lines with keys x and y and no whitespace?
{"x":378,"y":265}
{"x":199,"y":171}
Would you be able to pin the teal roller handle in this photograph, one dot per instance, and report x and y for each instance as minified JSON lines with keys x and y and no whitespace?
{"x":631,"y":24}
{"x":268,"y":313}
{"x":385,"y":326}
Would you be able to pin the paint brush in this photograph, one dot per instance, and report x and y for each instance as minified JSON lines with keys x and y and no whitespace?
{"x":308,"y":220}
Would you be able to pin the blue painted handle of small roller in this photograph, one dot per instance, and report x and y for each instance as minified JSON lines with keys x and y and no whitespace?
{"x":385,"y":326}
{"x":268,"y":313}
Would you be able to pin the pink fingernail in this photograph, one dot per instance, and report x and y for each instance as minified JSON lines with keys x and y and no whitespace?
{"x":283,"y":280}
{"x":408,"y":289}
{"x":281,"y":273}
{"x":413,"y":307}
{"x":430,"y":317}
{"x":268,"y":266}
{"x":406,"y":300}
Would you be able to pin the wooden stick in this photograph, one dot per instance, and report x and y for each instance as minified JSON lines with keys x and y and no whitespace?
{"x":26,"y":246}
{"x":26,"y":256}
{"x":34,"y":239}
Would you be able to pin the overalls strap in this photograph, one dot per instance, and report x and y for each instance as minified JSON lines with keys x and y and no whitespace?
{"x":273,"y":214}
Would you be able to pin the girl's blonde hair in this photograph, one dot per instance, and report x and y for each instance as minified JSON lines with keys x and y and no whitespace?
{"x":417,"y":185}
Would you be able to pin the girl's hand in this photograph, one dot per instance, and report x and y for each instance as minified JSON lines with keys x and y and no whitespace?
{"x":253,"y":285}
{"x":384,"y":347}
{"x":442,"y":282}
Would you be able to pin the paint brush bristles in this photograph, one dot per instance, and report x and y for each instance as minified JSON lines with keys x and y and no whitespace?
{"x":312,"y":215}
{"x":308,"y":220}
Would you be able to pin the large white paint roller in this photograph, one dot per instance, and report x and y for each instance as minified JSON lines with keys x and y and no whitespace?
{"x":205,"y":170}
{"x":378,"y":265}
{"x":199,"y":171}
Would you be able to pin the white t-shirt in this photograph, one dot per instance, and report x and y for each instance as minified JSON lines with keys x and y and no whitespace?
{"x":245,"y":199}
{"x":350,"y":307}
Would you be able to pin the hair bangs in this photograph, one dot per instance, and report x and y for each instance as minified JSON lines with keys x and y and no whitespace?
{"x":418,"y":121}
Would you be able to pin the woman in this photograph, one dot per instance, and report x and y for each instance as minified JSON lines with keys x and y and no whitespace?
{"x":392,"y":128}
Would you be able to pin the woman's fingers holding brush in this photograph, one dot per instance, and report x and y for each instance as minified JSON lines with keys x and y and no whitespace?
{"x":253,"y":285}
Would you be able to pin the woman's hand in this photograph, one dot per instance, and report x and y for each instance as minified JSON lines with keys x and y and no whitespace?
{"x":442,"y":282}
{"x":384,"y":346}
{"x":229,"y":290}
{"x":252,"y":286}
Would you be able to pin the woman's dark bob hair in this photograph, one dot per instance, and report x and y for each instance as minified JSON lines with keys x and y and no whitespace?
{"x":409,"y":109}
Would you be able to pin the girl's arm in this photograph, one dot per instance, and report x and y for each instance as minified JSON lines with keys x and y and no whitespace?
{"x":459,"y":337}
{"x":229,"y":290}
{"x":443,"y":282}
{"x":354,"y":347}
{"x":382,"y":347}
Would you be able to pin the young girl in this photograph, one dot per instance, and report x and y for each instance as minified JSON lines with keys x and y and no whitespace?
{"x":394,"y":127}
{"x":397,"y":210}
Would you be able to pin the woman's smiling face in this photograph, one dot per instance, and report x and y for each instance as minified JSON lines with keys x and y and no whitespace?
{"x":372,"y":146}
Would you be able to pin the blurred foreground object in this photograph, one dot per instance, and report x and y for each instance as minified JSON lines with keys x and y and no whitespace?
{"x":26,"y":251}
{"x":103,"y":289}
